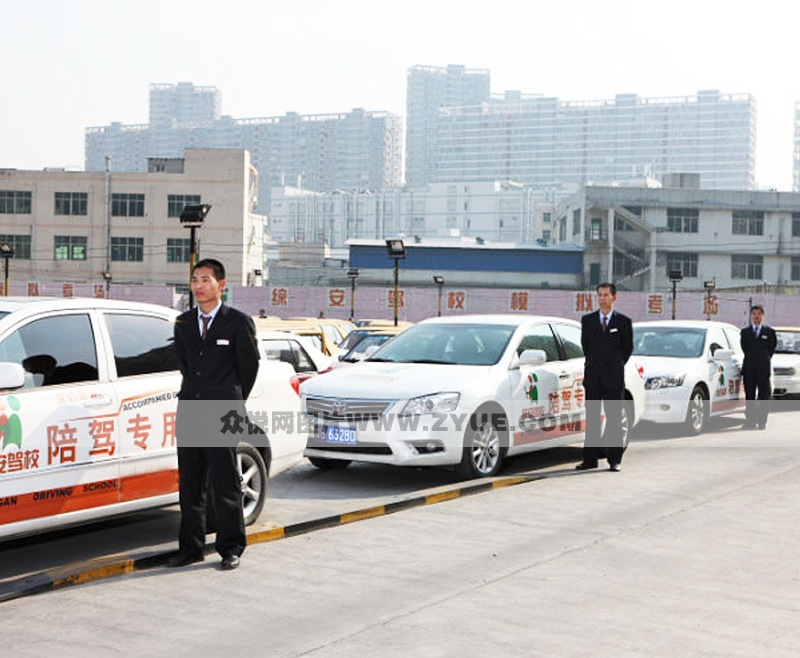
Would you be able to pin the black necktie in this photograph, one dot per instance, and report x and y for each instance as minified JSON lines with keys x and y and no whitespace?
{"x":206,"y":319}
{"x":605,"y":323}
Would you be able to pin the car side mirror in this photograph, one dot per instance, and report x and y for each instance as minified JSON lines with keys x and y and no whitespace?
{"x":722,"y":355}
{"x":532,"y":358}
{"x":12,"y":375}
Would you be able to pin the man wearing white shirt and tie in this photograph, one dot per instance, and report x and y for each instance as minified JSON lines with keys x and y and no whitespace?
{"x":758,"y":343}
{"x":218,"y":355}
{"x":607,"y":341}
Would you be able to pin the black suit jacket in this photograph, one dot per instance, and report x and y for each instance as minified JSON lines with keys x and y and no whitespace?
{"x":224,"y":365}
{"x":758,"y":350}
{"x":610,"y":348}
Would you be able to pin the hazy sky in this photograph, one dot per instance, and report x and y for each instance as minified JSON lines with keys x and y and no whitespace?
{"x":69,"y":64}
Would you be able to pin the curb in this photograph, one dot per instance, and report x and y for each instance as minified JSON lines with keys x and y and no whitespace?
{"x":121,"y":563}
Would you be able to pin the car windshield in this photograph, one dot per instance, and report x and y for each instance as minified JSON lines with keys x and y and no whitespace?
{"x":451,"y":344}
{"x":676,"y":342}
{"x":788,"y":342}
{"x":362,"y":347}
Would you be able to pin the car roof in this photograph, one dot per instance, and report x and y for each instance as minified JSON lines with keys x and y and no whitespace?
{"x":498,"y":319}
{"x":685,"y":324}
{"x":39,"y":304}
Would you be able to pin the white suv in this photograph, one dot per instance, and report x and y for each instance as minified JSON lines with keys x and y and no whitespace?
{"x":88,"y":394}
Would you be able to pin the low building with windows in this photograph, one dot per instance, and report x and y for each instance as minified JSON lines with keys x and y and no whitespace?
{"x":95,"y":226}
{"x":637,"y":236}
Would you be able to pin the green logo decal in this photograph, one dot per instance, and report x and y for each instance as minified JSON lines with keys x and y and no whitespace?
{"x":10,"y":424}
{"x":532,"y":392}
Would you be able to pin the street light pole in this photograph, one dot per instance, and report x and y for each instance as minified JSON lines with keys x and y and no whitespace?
{"x":7,"y":252}
{"x":193,"y":216}
{"x":352,"y":273}
{"x":397,"y":250}
{"x":674,"y":277}
{"x":439,"y":281}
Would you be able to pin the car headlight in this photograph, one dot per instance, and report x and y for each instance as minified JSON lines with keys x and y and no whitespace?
{"x":665,"y":381}
{"x":437,"y":403}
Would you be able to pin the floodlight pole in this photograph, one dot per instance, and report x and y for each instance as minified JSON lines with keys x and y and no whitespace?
{"x":7,"y":252}
{"x":193,"y":216}
{"x":352,"y":273}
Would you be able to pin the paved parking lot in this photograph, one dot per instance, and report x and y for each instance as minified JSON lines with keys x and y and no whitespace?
{"x":691,"y":550}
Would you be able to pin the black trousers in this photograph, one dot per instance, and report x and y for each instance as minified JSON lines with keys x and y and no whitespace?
{"x":758,"y":392}
{"x":197,"y":467}
{"x":603,"y":394}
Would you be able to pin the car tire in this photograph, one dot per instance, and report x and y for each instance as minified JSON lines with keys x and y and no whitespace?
{"x":255,"y":482}
{"x":483,"y":451}
{"x":696,"y":412}
{"x":326,"y":464}
{"x":628,"y":421}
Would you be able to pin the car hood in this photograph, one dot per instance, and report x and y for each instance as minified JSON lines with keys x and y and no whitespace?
{"x":377,"y":380}
{"x":780,"y":360}
{"x":657,"y":366}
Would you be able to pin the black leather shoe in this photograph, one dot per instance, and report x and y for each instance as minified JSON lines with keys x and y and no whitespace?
{"x":230,"y":563}
{"x":615,"y":467}
{"x":762,"y":427}
{"x":583,"y":466}
{"x":184,"y":560}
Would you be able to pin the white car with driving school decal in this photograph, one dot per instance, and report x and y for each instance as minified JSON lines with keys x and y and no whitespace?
{"x":464,"y":392}
{"x":88,"y":394}
{"x":692,"y":370}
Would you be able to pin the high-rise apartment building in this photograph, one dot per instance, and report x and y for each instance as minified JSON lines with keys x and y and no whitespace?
{"x":326,"y":152}
{"x":547,"y":143}
{"x":796,"y":151}
{"x":428,"y":89}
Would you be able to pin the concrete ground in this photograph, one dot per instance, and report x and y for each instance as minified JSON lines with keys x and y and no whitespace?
{"x":692,"y":550}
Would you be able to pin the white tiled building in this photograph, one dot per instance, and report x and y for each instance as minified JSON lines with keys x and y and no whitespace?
{"x":488,"y":211}
{"x":74,"y":226}
{"x":351,"y":150}
{"x":636,"y":236}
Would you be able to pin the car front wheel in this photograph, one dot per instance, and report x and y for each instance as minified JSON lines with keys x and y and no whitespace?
{"x":696,"y":411}
{"x":483,"y":451}
{"x":255,"y":481}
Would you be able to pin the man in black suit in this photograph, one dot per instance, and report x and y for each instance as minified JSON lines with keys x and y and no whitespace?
{"x":218,"y":356}
{"x":607,"y":340}
{"x":758,"y":344}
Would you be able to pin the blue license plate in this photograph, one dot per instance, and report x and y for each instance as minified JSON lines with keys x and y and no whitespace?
{"x":341,"y":435}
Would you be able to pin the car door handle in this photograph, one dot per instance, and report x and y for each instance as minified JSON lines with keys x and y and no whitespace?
{"x":98,"y":401}
{"x":564,"y":375}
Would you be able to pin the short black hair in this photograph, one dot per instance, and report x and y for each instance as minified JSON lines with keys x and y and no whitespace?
{"x":756,"y":307}
{"x":611,"y":287}
{"x":213,"y":264}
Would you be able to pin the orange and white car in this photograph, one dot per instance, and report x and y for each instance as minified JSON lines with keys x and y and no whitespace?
{"x":88,"y":395}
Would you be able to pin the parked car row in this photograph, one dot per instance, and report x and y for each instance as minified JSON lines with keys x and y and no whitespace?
{"x":88,"y":394}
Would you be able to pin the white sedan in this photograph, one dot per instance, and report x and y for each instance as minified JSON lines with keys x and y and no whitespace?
{"x":786,"y":363}
{"x":692,"y":370}
{"x":462,"y":392}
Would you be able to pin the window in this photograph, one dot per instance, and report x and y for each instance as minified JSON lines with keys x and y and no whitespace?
{"x":684,"y":261}
{"x":69,"y":247}
{"x":178,"y":250}
{"x":744,"y":266}
{"x":546,"y":217}
{"x":717,"y":340}
{"x":127,"y":249}
{"x":71,"y":203}
{"x":682,"y":220}
{"x":795,"y":268}
{"x":127,"y":205}
{"x":142,"y":344}
{"x":176,"y":203}
{"x":748,"y":222}
{"x":15,"y":203}
{"x":21,"y":244}
{"x":53,"y":350}
{"x":290,"y":352}
{"x":570,"y":336}
{"x":576,"y":221}
{"x":796,"y":224}
{"x":597,"y":229}
{"x":540,"y":337}
{"x":562,"y":229}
